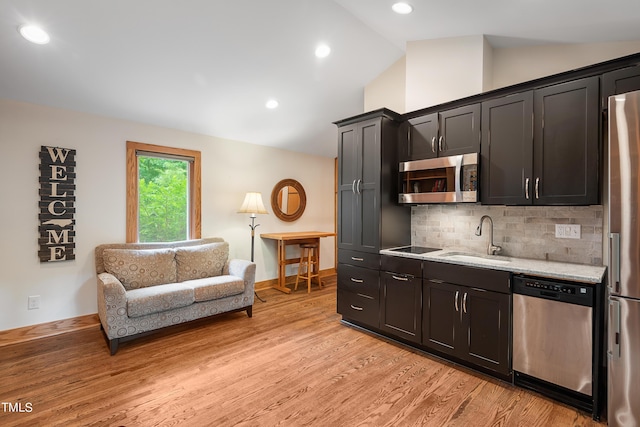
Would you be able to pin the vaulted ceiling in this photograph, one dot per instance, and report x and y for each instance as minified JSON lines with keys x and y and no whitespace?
{"x":209,"y":66}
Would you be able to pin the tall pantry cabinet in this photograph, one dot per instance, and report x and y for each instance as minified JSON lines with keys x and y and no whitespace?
{"x":369,"y":216}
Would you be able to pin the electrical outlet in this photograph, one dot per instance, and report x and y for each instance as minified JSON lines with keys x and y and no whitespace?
{"x":33,"y":302}
{"x":568,"y":231}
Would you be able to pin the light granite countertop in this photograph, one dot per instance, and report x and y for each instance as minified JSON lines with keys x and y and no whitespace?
{"x":545,"y":269}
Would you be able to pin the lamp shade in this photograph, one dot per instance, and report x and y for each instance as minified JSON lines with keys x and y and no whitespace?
{"x":253,"y":204}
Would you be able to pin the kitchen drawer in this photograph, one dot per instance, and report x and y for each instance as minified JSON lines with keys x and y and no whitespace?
{"x":480,"y":278}
{"x":359,"y":308}
{"x":362,"y":259}
{"x":359,"y":280}
{"x":396,"y":264}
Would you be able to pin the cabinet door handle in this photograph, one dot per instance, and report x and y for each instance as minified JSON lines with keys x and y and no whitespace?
{"x":456,"y":301}
{"x":357,"y":280}
{"x":357,"y":259}
{"x":526,"y":188}
{"x":353,"y":187}
{"x":356,"y":308}
{"x":404,"y":279}
{"x":433,"y":144}
{"x":464,"y":303}
{"x":537,"y":187}
{"x":358,"y":183}
{"x":440,"y":143}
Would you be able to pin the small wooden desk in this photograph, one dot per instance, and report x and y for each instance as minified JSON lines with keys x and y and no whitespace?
{"x":293,"y":238}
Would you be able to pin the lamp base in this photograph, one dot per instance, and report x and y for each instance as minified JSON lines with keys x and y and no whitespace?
{"x":253,"y":226}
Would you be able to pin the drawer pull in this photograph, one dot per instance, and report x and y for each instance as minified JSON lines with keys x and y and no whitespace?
{"x":356,"y":308}
{"x":436,"y":281}
{"x":404,"y":279}
{"x":357,"y":280}
{"x":357,"y":259}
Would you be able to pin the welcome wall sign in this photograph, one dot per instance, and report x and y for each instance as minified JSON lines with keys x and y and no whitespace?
{"x":57,"y":204}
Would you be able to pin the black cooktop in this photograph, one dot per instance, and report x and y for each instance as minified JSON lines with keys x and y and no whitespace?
{"x":414,"y":249}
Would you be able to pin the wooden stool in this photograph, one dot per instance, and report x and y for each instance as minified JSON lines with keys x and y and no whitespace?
{"x":308,"y":263}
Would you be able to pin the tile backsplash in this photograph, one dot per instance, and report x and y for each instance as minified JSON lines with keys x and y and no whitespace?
{"x":522,"y":231}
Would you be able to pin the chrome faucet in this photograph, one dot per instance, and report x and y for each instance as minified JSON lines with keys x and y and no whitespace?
{"x":491,"y":249}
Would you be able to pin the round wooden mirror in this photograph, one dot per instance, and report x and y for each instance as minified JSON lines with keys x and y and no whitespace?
{"x":288,"y":200}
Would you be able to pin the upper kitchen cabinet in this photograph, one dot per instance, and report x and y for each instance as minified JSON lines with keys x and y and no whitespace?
{"x":447,"y":133}
{"x":418,"y":138}
{"x":619,"y":81}
{"x":369,"y":217}
{"x":507,"y":150}
{"x":542,"y":147}
{"x":566,"y":143}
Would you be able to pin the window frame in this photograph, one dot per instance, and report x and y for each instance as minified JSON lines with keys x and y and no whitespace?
{"x":195,"y":186}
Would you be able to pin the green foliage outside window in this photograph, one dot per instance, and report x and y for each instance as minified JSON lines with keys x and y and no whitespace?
{"x":163,"y":199}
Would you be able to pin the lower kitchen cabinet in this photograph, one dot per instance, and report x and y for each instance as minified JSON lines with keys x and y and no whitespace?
{"x":457,"y":312}
{"x":468,"y":322}
{"x":401,"y":298}
{"x":359,"y":295}
{"x":486,"y":321}
{"x":361,"y":309}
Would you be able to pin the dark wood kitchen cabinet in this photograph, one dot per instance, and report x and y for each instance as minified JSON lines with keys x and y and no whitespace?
{"x":619,"y":81}
{"x":359,"y":294}
{"x":418,"y":138}
{"x":506,"y":155}
{"x":369,"y":217}
{"x":542,"y":147}
{"x":566,"y":143}
{"x":466,"y":315}
{"x":446,"y":133}
{"x":401,"y":297}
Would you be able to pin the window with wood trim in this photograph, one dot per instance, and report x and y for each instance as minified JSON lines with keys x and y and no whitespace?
{"x":163,"y":193}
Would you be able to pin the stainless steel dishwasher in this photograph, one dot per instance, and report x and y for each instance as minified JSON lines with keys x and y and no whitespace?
{"x":553,"y":339}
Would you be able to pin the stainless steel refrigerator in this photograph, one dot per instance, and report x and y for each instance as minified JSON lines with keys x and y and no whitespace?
{"x":624,"y":261}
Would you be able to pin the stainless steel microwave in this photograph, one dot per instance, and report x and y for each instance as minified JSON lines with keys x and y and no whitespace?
{"x":451,"y":179}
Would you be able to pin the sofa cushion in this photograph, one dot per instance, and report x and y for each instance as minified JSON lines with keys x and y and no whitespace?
{"x":211,"y":288}
{"x":140,"y":268}
{"x":154,"y":299}
{"x":197,"y":262}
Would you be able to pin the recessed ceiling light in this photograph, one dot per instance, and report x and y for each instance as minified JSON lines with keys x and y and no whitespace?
{"x":402,"y":8}
{"x":34,"y":34}
{"x":271,"y":104}
{"x":322,"y":51}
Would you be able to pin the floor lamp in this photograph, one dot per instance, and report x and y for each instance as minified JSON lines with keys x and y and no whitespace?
{"x":253,"y":205}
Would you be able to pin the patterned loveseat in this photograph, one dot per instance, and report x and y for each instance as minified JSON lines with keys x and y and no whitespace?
{"x":146,"y":286}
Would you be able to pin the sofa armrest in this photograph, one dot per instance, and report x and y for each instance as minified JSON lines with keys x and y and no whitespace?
{"x":112,"y":301}
{"x":243,"y":269}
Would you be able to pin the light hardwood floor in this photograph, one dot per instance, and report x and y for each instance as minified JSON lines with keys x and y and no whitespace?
{"x":292,"y":364}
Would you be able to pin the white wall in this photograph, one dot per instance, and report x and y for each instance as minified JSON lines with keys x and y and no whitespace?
{"x":229,"y":170}
{"x":443,"y":70}
{"x":388,"y":89}
{"x":487,"y":65}
{"x":520,"y":64}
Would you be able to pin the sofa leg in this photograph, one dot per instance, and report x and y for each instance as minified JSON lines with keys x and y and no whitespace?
{"x":250,"y":311}
{"x":113,"y":346}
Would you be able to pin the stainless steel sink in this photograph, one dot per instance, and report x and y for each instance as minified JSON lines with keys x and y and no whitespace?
{"x":474,"y":258}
